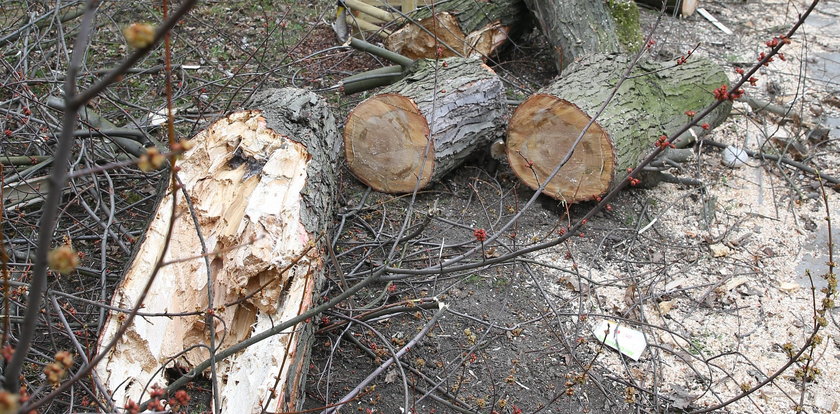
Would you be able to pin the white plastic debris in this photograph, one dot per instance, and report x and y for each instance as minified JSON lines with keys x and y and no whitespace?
{"x":708,"y":16}
{"x":734,"y":157}
{"x":621,"y":337}
{"x":160,"y":117}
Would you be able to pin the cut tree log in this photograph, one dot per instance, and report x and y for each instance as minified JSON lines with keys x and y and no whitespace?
{"x":650,"y":103}
{"x":420,"y":128}
{"x":261,"y":183}
{"x":465,"y":28}
{"x":576,"y":28}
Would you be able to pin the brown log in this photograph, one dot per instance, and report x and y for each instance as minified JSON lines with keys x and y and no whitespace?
{"x":466,"y":28}
{"x":576,"y":28}
{"x":262,"y":184}
{"x":408,"y":135}
{"x":650,"y":103}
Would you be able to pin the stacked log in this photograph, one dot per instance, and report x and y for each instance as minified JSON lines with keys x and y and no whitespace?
{"x":464,"y":28}
{"x":650,"y":103}
{"x":420,"y":128}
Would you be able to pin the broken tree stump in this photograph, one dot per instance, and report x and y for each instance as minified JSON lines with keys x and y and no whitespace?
{"x":467,"y":28}
{"x":420,"y":128}
{"x":261,"y":183}
{"x":650,"y":103}
{"x":576,"y":28}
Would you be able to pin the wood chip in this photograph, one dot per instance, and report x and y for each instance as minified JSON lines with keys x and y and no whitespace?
{"x":731,"y":284}
{"x":720,"y":250}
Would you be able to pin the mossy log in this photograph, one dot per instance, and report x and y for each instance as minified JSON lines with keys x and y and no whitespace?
{"x":261,"y":184}
{"x":576,"y":28}
{"x":467,"y":28}
{"x":650,"y":103}
{"x":420,"y":128}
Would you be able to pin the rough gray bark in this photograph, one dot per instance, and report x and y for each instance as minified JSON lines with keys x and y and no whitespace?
{"x":262,"y":184}
{"x":652,"y":102}
{"x":575,"y":28}
{"x":423,"y":126}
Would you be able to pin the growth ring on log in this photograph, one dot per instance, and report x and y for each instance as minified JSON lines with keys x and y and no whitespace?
{"x":423,"y":126}
{"x":390,"y":137}
{"x":542,"y":132}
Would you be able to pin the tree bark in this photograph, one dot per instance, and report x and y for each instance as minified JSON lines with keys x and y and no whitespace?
{"x":467,"y":28}
{"x":262,"y":185}
{"x":650,"y":103}
{"x":423,"y":126}
{"x":576,"y":28}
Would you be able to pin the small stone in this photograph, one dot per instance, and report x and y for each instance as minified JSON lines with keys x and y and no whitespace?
{"x":789,"y":287}
{"x":734,"y":157}
{"x":720,"y":250}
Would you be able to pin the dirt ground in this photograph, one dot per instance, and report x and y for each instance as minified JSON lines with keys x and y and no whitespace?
{"x":715,"y":276}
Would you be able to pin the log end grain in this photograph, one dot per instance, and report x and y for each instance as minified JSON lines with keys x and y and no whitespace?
{"x":387,"y":144}
{"x":541,"y":133}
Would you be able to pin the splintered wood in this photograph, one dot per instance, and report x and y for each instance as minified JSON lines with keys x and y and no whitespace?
{"x":458,"y":28}
{"x":247,"y":184}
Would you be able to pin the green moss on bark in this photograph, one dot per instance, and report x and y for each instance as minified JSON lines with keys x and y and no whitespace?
{"x":625,"y":13}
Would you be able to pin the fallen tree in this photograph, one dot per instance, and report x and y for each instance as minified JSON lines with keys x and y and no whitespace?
{"x":653,"y":101}
{"x":418,"y":129}
{"x":261,"y":185}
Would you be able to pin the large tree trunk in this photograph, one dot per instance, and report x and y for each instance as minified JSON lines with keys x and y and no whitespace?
{"x":261,"y":183}
{"x":420,"y":128}
{"x":576,"y":28}
{"x":652,"y":102}
{"x":467,"y":28}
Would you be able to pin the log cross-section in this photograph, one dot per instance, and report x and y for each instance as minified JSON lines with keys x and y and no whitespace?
{"x":423,"y":126}
{"x":651,"y":102}
{"x":261,"y":183}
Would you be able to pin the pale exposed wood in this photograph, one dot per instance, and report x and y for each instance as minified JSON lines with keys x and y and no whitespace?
{"x":652,"y":102}
{"x":464,"y":28}
{"x":688,"y":7}
{"x":423,"y":126}
{"x":261,"y":183}
{"x":441,"y":30}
